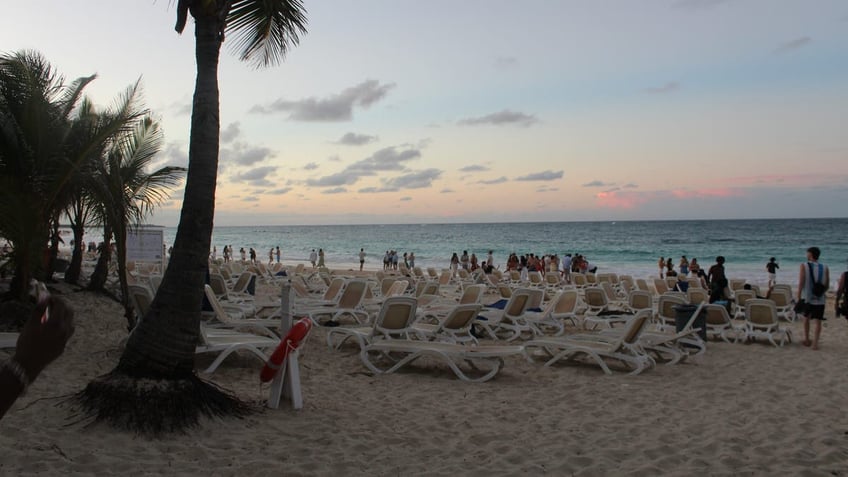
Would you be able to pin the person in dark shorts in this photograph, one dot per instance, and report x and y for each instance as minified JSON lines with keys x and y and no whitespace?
{"x":813,"y":281}
{"x":717,"y":280}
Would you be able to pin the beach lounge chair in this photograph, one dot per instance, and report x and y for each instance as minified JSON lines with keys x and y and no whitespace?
{"x":783,"y":302}
{"x":661,"y":286}
{"x":560,"y":310}
{"x":232,"y":319}
{"x":227,"y":342}
{"x":741,"y":297}
{"x":624,"y":349}
{"x":598,"y":309}
{"x":719,"y":324}
{"x":509,"y":320}
{"x":697,"y":296}
{"x":454,"y":328}
{"x":665,"y":318}
{"x":394,"y":320}
{"x":140,"y":298}
{"x":761,"y":321}
{"x":670,"y":346}
{"x":388,"y":356}
{"x":639,"y":300}
{"x":435,"y":305}
{"x":642,"y":285}
{"x":349,"y":304}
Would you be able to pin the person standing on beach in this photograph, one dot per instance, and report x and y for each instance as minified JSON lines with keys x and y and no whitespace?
{"x":771,"y":268}
{"x":321,"y":258}
{"x":684,"y":266}
{"x":490,"y":259}
{"x":841,"y":302}
{"x":243,"y":254}
{"x":313,"y":257}
{"x":411,"y":259}
{"x":813,"y":282}
{"x":454,"y":264}
{"x":361,"y":258}
{"x":464,"y":260}
{"x":278,"y":254}
{"x":717,"y":280}
{"x":271,"y":256}
{"x":661,"y":266}
{"x":565,"y":268}
{"x":214,"y":253}
{"x":473,"y":262}
{"x":395,"y":260}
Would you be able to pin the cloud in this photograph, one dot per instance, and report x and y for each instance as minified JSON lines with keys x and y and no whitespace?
{"x":699,"y":4}
{"x":506,"y":62}
{"x":474,"y":168}
{"x":335,"y":190}
{"x":257,"y":177}
{"x":447,"y":190}
{"x":232,"y":131}
{"x":283,"y":191}
{"x":547,"y":189}
{"x":384,"y":160}
{"x":793,"y":45}
{"x":414,"y":180}
{"x":338,"y":179}
{"x":353,"y":139}
{"x":405,"y":199}
{"x":630,"y":185}
{"x":670,"y":87}
{"x":333,"y":108}
{"x":501,"y":118}
{"x":244,"y":154}
{"x":251,"y":199}
{"x":541,"y":176}
{"x":334,"y":158}
{"x":175,"y":155}
{"x":597,"y":183}
{"x":499,"y":180}
{"x":311,"y":166}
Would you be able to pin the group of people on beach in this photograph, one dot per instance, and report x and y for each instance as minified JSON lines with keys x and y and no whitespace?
{"x":471,"y":263}
{"x":243,"y":254}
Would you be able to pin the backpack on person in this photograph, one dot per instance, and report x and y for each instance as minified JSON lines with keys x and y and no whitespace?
{"x":818,"y":287}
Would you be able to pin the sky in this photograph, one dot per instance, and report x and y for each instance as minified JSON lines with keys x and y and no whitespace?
{"x":402,"y":111}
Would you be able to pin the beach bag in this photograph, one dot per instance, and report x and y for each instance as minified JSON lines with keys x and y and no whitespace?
{"x":818,"y":287}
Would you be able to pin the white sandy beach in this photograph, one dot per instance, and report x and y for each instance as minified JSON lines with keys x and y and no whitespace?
{"x":741,"y":409}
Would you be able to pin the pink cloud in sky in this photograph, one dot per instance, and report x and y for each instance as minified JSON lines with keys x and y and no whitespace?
{"x":618,"y":199}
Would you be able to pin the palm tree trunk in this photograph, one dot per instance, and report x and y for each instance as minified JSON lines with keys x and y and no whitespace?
{"x":121,"y":243}
{"x":74,"y":270}
{"x":53,"y":252}
{"x":154,"y":387}
{"x":101,"y":270}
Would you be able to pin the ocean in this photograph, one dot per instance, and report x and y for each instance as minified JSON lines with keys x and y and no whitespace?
{"x":625,"y":247}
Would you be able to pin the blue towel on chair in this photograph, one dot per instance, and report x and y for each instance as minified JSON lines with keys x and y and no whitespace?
{"x":500,"y":304}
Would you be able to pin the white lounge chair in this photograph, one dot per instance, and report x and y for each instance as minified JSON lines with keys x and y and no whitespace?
{"x":720,"y":325}
{"x":625,"y":349}
{"x":8,"y":340}
{"x":393,"y":321}
{"x":508,"y":320}
{"x":761,"y":321}
{"x":227,"y":342}
{"x":598,"y":309}
{"x":454,"y":328}
{"x":560,"y":310}
{"x":398,"y":353}
{"x":349,"y":304}
{"x":232,"y":319}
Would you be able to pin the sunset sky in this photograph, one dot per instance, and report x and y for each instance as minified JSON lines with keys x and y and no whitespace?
{"x":399,"y":111}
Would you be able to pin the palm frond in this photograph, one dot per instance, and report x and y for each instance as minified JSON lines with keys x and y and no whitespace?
{"x":265,"y":30}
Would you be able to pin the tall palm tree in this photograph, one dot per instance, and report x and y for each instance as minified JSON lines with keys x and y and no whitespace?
{"x":162,"y":346}
{"x":126,"y":193}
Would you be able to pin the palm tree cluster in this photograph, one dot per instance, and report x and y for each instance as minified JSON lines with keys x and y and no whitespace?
{"x":62,"y":159}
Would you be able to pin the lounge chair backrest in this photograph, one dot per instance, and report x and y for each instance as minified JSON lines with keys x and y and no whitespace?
{"x":716,"y":314}
{"x":603,"y":278}
{"x":635,"y":327}
{"x":299,"y":288}
{"x":141,"y":297}
{"x":696,"y":296}
{"x":515,"y":275}
{"x":242,"y":282}
{"x":591,"y":278}
{"x":432,"y":272}
{"x":419,"y":288}
{"x":566,"y":301}
{"x":535,"y":278}
{"x":517,"y":305}
{"x":642,"y":285}
{"x":219,"y":286}
{"x":334,"y":288}
{"x":661,"y":286}
{"x":505,"y":291}
{"x":742,"y":297}
{"x":463,"y":273}
{"x":386,"y":285}
{"x":396,"y":316}
{"x":397,"y":288}
{"x":353,"y":294}
{"x":665,"y":307}
{"x":536,"y":296}
{"x":380,"y":276}
{"x":471,"y":295}
{"x":737,"y":284}
{"x":225,"y":272}
{"x":640,"y":300}
{"x":430,"y":288}
{"x":445,"y":277}
{"x":694,"y":283}
{"x":610,"y":293}
{"x":760,"y":312}
{"x":299,"y":268}
{"x":220,"y":313}
{"x":671,"y":282}
{"x":595,"y":297}
{"x":552,"y":279}
{"x":461,"y":317}
{"x":780,"y":297}
{"x":418,"y":272}
{"x":579,"y":279}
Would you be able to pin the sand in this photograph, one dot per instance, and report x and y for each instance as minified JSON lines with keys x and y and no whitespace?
{"x":742,"y":409}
